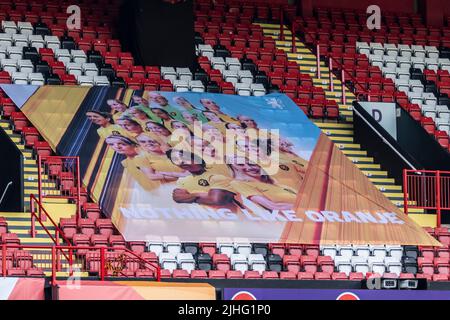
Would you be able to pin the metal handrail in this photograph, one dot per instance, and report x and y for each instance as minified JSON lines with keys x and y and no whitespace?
{"x":71,"y":249}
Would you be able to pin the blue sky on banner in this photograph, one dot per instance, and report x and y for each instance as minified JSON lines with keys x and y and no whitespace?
{"x":19,"y":93}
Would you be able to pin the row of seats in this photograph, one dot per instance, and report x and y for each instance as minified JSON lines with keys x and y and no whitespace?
{"x":235,"y":11}
{"x":426,"y":101}
{"x":412,"y":91}
{"x":342,"y":28}
{"x":96,"y":14}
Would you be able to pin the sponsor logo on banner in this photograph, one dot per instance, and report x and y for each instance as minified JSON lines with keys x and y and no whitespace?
{"x":243,"y":295}
{"x":347,"y":296}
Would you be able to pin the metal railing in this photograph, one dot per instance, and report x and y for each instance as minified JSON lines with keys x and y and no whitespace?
{"x":102,"y":262}
{"x":427,"y":190}
{"x":40,"y":214}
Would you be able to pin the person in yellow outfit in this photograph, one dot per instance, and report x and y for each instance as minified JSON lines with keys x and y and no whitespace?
{"x":161,"y":102}
{"x":191,"y":109}
{"x":132,"y":127}
{"x":141,"y":114}
{"x":210,"y":105}
{"x":163,"y":116}
{"x":158,"y":167}
{"x":247,"y":122}
{"x":252,"y":183}
{"x":183,"y":102}
{"x":178,"y":125}
{"x":286,"y":173}
{"x":190,"y":118}
{"x":182,"y":136}
{"x":215,"y":120}
{"x":117,"y":108}
{"x":233,"y":126}
{"x":132,"y":163}
{"x":105,"y":123}
{"x":140,"y":101}
{"x":201,"y":187}
{"x":215,"y":163}
{"x":288,"y":155}
{"x":159,"y":130}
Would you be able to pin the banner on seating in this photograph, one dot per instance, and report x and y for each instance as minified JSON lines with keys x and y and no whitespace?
{"x":203,"y":167}
{"x":331,"y":294}
{"x":134,"y":290}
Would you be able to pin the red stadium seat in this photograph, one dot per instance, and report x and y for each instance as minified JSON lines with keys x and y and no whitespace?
{"x":91,"y":210}
{"x":16,"y":272}
{"x":209,"y":248}
{"x":3,"y":225}
{"x":234,"y":274}
{"x":429,"y":277}
{"x":322,"y":276}
{"x":356,"y":276}
{"x":221,"y":262}
{"x":19,"y":121}
{"x":99,"y":240}
{"x":150,"y":257}
{"x":216,"y":274}
{"x":252,"y":275}
{"x":199,"y":274}
{"x":42,"y":148}
{"x":270,"y":275}
{"x":137,"y":247}
{"x":69,"y":227}
{"x":24,"y":259}
{"x":287,"y":275}
{"x":305,"y":276}
{"x":442,"y":265}
{"x":294,"y":249}
{"x":81,"y":240}
{"x":35,"y":272}
{"x":339,"y":276}
{"x":309,"y":263}
{"x":144,"y":274}
{"x":117,"y":242}
{"x":165,"y":274}
{"x":291,"y":263}
{"x":277,"y":248}
{"x":180,"y":274}
{"x":30,"y":136}
{"x":86,"y":226}
{"x":10,"y":238}
{"x":440,"y":277}
{"x":326,"y":264}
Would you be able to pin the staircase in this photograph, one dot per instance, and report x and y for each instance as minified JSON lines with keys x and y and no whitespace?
{"x":340,"y":133}
{"x":19,"y":222}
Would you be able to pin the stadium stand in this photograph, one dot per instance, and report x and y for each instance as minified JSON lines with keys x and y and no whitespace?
{"x":236,"y":55}
{"x":224,"y":69}
{"x":395,"y":63}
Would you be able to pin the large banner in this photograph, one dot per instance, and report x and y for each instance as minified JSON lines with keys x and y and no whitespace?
{"x":332,"y":294}
{"x":207,"y":167}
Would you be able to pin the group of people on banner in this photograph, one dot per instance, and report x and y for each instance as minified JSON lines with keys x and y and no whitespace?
{"x":175,"y":142}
